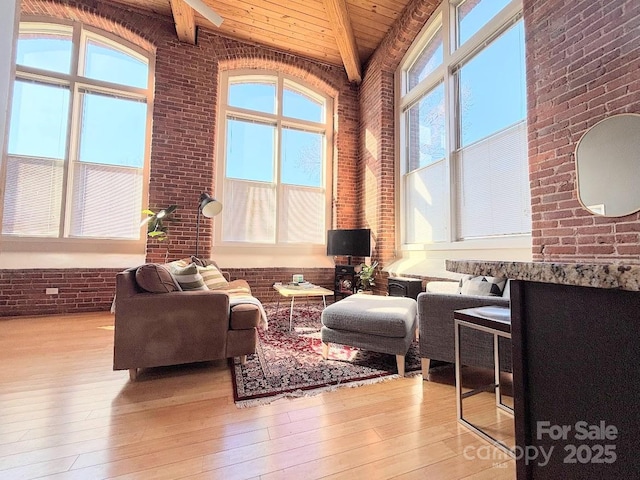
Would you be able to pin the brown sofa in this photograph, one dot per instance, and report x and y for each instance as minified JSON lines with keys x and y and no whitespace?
{"x":177,"y":327}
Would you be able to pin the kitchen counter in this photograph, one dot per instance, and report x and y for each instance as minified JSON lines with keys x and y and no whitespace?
{"x":575,"y":366}
{"x":598,"y":275}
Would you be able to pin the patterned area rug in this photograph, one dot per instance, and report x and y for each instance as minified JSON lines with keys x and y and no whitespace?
{"x":291,"y":364}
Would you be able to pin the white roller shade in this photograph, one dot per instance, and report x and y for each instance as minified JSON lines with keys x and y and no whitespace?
{"x":303,"y":212}
{"x":493,"y":196}
{"x":253,"y":216}
{"x":426,"y":201}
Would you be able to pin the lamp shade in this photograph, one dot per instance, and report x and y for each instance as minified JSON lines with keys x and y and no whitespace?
{"x":210,"y":207}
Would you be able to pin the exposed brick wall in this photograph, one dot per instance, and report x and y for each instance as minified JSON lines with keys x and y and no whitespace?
{"x":376,"y":190}
{"x":583,"y":64}
{"x":583,"y":60}
{"x":79,"y":290}
{"x":185,"y":118}
{"x":183,"y":140}
{"x":262,"y":279}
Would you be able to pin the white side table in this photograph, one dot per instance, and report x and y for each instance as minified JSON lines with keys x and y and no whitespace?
{"x":293,"y":292}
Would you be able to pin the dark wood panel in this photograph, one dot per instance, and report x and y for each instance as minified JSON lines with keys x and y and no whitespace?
{"x":576,"y":358}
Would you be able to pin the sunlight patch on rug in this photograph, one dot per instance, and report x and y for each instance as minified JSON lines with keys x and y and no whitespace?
{"x":290,"y":364}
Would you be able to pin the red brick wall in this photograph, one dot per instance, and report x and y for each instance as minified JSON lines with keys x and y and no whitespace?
{"x":583,"y":59}
{"x":377,"y":133}
{"x":183,"y":149}
{"x":262,"y":279}
{"x":583,"y":64}
{"x":23,"y":292}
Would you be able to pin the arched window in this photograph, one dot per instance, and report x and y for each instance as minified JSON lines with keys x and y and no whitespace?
{"x":462,"y":117}
{"x":274,"y":161}
{"x":78,"y":141}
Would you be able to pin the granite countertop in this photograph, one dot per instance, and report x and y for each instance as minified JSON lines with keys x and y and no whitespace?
{"x":614,"y":275}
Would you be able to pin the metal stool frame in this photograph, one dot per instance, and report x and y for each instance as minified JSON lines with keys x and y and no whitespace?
{"x":502,"y":330}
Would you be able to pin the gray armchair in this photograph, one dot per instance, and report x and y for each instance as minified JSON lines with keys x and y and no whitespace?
{"x":435,"y":319}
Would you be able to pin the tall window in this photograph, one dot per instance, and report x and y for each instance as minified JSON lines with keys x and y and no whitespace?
{"x":276,"y":136}
{"x":77,"y":137}
{"x":464,"y":172}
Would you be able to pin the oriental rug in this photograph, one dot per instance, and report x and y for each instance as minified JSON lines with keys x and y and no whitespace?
{"x":290,"y":364}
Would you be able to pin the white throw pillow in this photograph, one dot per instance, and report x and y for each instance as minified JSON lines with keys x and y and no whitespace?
{"x":484,"y":286}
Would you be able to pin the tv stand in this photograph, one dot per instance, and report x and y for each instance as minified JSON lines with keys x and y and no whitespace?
{"x":344,"y":283}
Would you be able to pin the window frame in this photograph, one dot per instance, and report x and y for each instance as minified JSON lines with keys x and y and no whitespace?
{"x":76,"y":84}
{"x":454,"y":57}
{"x":281,"y":122}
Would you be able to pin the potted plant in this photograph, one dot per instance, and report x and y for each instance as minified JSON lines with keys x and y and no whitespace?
{"x":365,"y":277}
{"x":155,"y":227}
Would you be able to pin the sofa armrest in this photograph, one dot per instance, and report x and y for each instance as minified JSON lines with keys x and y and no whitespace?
{"x":155,"y":329}
{"x":437,"y":334}
{"x":244,"y":316}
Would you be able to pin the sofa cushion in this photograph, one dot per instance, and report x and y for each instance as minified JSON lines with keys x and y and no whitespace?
{"x":372,"y":315}
{"x":213,"y":278}
{"x":155,"y":278}
{"x":187,"y":277}
{"x":483,"y":286}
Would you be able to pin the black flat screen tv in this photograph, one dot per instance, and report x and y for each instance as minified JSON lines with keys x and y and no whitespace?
{"x":350,"y":243}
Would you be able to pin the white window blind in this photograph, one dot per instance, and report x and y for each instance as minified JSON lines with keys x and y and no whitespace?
{"x":426,"y":201}
{"x":253,"y":216}
{"x":493,"y":194}
{"x":302,"y":211}
{"x":106,"y":201}
{"x":33,"y":197}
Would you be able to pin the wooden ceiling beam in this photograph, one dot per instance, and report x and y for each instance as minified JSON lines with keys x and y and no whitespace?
{"x":346,"y":40}
{"x":185,"y":20}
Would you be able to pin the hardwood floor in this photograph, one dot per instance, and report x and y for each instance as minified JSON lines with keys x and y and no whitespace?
{"x":64,"y":414}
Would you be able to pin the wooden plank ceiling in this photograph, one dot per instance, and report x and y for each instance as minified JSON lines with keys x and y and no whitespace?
{"x":337,"y":32}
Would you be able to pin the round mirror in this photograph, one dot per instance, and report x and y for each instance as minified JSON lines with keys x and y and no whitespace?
{"x":608,"y":166}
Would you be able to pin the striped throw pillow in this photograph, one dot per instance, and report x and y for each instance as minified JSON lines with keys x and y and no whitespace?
{"x":187,"y":277}
{"x":212,"y":277}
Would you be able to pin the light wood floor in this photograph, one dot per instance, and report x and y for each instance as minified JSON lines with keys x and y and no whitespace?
{"x":64,"y":414}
